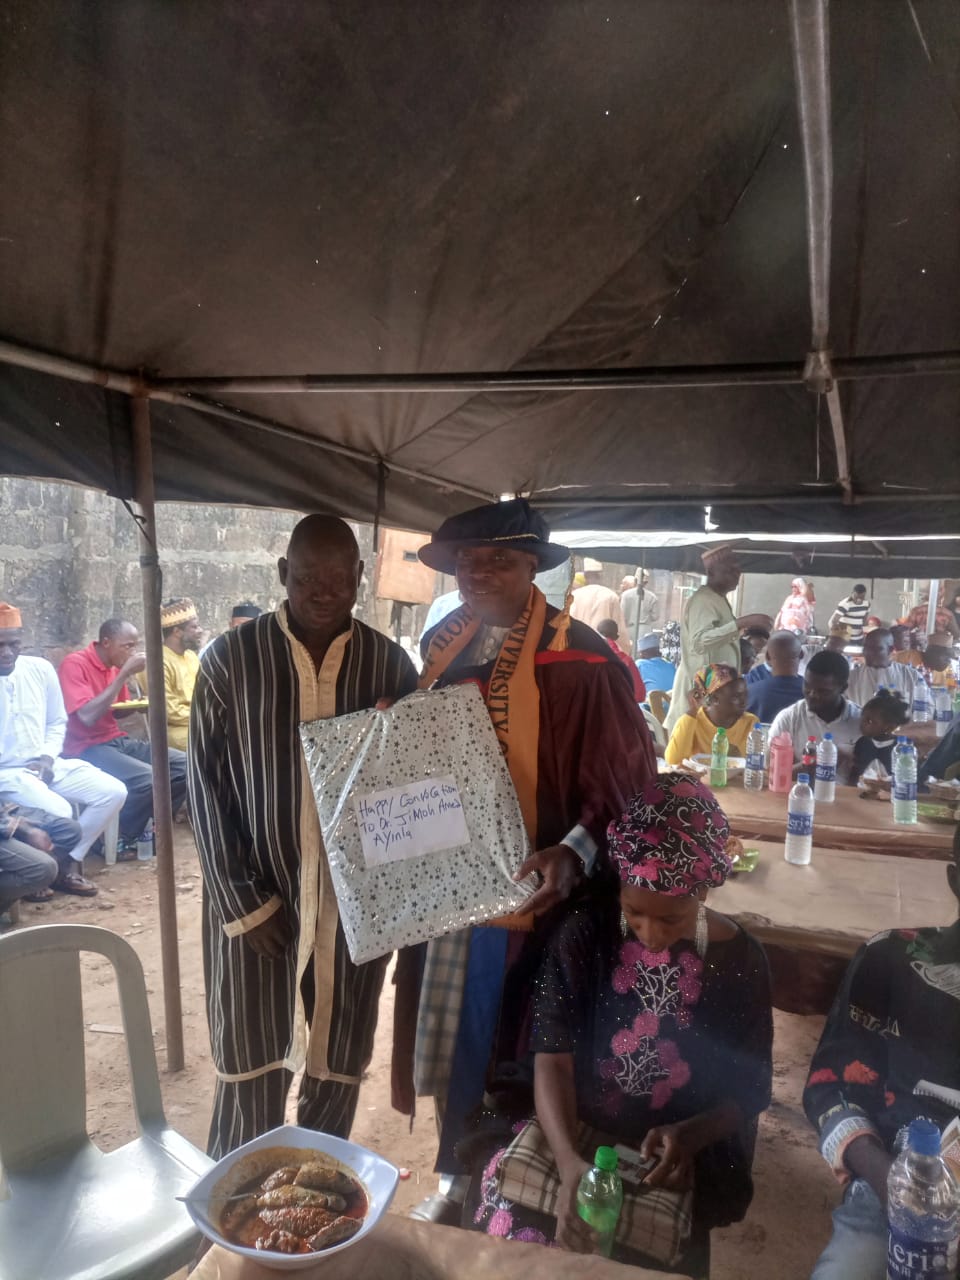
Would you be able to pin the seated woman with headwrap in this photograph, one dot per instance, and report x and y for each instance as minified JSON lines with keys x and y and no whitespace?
{"x":652,"y":1024}
{"x":720,"y":693}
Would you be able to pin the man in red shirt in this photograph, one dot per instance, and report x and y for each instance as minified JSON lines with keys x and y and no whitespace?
{"x":92,"y":681}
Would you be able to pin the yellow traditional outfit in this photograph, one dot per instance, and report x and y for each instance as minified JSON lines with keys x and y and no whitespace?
{"x":693,"y":735}
{"x":179,"y":678}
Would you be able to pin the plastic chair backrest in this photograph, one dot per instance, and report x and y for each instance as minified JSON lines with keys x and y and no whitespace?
{"x":42,"y":1070}
{"x":659,"y":703}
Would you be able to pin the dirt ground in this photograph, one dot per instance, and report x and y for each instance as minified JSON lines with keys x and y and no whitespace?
{"x":781,"y":1236}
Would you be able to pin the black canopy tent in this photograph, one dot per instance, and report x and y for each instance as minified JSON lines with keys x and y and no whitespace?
{"x":213,"y":194}
{"x":391,"y":259}
{"x":852,"y":557}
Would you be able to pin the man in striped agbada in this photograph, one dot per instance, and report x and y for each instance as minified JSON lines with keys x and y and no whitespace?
{"x":282,"y":991}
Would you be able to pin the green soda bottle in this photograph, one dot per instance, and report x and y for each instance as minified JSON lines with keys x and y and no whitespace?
{"x":718,"y":759}
{"x":600,"y":1196}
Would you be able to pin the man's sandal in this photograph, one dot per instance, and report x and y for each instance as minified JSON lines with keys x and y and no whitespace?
{"x":73,"y":882}
{"x":41,"y":895}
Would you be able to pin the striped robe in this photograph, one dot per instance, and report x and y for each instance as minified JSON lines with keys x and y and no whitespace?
{"x":258,"y":837}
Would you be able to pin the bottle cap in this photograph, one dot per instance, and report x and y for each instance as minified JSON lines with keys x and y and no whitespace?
{"x":804,"y":777}
{"x":828,"y":737}
{"x":923,"y":1137}
{"x":721,"y":733}
{"x":606,"y":1157}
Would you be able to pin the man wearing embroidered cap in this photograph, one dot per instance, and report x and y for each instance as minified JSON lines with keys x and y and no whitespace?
{"x":181,"y":641}
{"x":577,"y":748}
{"x":709,"y":632}
{"x":33,"y":772}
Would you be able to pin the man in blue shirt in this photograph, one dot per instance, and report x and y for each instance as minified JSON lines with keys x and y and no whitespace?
{"x":656,"y":672}
{"x":783,"y":686}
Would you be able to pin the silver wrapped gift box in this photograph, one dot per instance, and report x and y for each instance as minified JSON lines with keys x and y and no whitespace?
{"x":419,"y":817}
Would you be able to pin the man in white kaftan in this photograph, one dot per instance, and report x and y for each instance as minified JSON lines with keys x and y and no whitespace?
{"x":33,"y":773}
{"x":709,"y":632}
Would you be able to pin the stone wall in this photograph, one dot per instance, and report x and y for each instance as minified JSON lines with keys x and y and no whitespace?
{"x":69,"y":558}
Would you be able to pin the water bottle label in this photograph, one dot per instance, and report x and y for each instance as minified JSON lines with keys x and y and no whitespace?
{"x":799,"y":824}
{"x":911,"y":1259}
{"x":826,"y":773}
{"x":904,"y":791}
{"x":755,"y":761}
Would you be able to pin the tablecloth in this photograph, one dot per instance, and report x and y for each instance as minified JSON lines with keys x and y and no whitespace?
{"x":837,"y":901}
{"x":404,"y":1249}
{"x":847,"y":823}
{"x":812,"y":919}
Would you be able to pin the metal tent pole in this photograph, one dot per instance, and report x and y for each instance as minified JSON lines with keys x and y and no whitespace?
{"x":156,"y":714}
{"x":811,"y":49}
{"x":932,"y":606}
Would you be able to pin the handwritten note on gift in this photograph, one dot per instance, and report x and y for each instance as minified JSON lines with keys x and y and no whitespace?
{"x":406,"y":822}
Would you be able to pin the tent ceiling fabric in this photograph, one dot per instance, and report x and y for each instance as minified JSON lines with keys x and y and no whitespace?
{"x":241,"y":188}
{"x":681,"y":553}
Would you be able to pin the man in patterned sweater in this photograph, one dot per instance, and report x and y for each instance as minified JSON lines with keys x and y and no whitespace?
{"x":888,"y":1054}
{"x":282,"y":991}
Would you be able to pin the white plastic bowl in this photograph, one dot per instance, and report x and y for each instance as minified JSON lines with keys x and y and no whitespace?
{"x":735,"y":764}
{"x":378,"y":1176}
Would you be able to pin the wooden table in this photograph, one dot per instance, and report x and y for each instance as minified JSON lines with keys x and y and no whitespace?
{"x":403,"y":1249}
{"x":847,"y":823}
{"x":812,"y":919}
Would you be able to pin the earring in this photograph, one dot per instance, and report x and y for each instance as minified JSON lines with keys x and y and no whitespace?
{"x":624,"y":927}
{"x":700,"y":938}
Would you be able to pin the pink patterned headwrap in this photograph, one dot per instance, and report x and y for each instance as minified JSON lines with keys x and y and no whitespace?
{"x":671,"y":838}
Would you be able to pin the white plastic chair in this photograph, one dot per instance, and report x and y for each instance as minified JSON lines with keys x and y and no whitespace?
{"x":67,"y":1210}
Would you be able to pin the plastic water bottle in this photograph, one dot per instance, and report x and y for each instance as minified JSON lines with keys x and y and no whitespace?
{"x":904,"y":781}
{"x":825,"y":786}
{"x":942,"y":709}
{"x":756,"y":762}
{"x":600,"y":1197}
{"x":923,"y":1210}
{"x":798,"y":846}
{"x":781,"y":763}
{"x":145,"y":843}
{"x":718,"y":759}
{"x":921,"y":700}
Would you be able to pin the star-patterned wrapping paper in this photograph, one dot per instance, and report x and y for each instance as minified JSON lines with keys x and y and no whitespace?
{"x":390,"y":784}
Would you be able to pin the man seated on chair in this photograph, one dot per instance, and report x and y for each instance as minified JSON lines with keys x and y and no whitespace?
{"x":31,"y":859}
{"x":33,"y":771}
{"x":887,"y":1055}
{"x":656,"y":672}
{"x":181,"y":641}
{"x":92,"y":681}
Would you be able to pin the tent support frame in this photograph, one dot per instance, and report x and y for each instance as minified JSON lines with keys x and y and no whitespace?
{"x":189,"y":391}
{"x":151,"y":584}
{"x":810,"y":32}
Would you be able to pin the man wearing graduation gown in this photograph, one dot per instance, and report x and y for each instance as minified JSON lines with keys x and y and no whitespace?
{"x":709,"y":632}
{"x":577,"y":748}
{"x":282,"y":991}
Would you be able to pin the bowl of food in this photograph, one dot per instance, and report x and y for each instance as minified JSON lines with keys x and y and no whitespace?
{"x":292,"y":1196}
{"x":701,"y":762}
